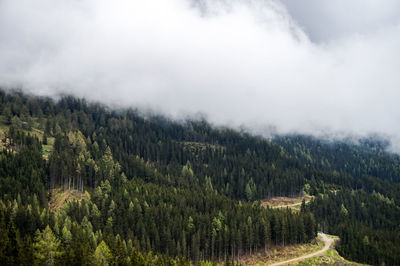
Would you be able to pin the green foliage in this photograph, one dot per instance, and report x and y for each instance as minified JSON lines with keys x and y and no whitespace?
{"x":102,"y":255}
{"x":165,"y":193}
{"x":366,"y":224}
{"x":66,"y":235}
{"x":46,"y":247}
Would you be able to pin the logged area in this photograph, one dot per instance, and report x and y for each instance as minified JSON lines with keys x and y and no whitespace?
{"x":327,"y":241}
{"x":279,"y":253}
{"x":293,"y":203}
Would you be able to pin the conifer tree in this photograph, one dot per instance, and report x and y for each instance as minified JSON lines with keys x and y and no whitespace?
{"x":47,"y":247}
{"x":102,"y":255}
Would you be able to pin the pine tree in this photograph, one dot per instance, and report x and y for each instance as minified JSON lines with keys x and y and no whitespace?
{"x":102,"y":255}
{"x":47,"y":247}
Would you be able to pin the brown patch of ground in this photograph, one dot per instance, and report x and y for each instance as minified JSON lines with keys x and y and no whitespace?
{"x":60,"y":197}
{"x":329,"y":257}
{"x":283,"y":202}
{"x":278,"y":253}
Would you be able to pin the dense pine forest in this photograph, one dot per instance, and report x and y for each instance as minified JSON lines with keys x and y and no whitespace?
{"x":151,"y":191}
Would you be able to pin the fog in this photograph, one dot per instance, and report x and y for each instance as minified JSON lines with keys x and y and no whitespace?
{"x":325,"y":20}
{"x":319,"y":67}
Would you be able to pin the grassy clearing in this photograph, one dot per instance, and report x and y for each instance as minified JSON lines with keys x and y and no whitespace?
{"x":3,"y":126}
{"x":60,"y":197}
{"x":330,"y":257}
{"x":35,"y":132}
{"x":46,"y":149}
{"x":277,"y":254}
{"x":3,"y":129}
{"x":283,"y":202}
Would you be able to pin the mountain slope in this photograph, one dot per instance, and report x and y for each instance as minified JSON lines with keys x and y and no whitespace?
{"x":181,"y":189}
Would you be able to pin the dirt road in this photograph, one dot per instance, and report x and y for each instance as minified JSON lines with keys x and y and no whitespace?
{"x":328,"y":243}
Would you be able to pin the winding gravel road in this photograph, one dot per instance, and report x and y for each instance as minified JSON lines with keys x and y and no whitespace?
{"x":328,"y":243}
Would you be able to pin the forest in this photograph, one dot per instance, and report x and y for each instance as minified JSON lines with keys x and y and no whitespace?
{"x":153,"y":191}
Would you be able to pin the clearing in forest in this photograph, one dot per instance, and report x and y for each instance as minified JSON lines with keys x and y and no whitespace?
{"x":319,"y":252}
{"x":283,"y":202}
{"x":60,"y":197}
{"x":278,"y":253}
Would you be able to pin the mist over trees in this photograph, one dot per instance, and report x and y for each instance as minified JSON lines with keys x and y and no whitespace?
{"x":153,"y":191}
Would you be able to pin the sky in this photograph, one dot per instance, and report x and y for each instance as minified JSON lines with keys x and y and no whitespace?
{"x":319,"y":67}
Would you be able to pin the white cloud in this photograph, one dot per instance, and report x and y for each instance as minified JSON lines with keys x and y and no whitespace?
{"x":329,"y":20}
{"x":243,"y":63}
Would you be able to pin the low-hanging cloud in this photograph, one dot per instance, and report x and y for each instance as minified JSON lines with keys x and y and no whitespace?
{"x":238,"y":62}
{"x":331,"y":20}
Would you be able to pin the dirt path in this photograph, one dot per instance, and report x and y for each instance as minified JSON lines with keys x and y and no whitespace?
{"x":328,"y":243}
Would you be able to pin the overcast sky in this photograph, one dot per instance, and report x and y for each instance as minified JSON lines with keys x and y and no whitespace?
{"x":309,"y":66}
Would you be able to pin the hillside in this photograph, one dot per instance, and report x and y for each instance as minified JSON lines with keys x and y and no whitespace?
{"x":116,"y":186}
